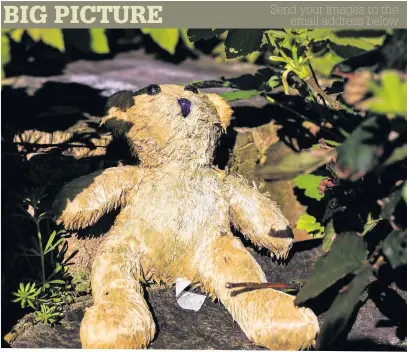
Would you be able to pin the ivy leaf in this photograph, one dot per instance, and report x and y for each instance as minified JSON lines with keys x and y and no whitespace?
{"x":337,"y":317}
{"x":294,"y":164}
{"x":395,"y":248}
{"x":197,"y":34}
{"x":166,"y":38}
{"x":99,"y":43}
{"x":347,"y":255}
{"x":239,"y":95}
{"x":309,"y":223}
{"x":362,"y":150}
{"x":310,"y":184}
{"x":242,"y":42}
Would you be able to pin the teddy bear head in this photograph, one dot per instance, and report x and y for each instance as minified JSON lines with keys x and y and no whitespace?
{"x":169,"y":123}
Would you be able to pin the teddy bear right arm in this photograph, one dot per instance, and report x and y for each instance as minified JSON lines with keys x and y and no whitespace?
{"x":82,"y":202}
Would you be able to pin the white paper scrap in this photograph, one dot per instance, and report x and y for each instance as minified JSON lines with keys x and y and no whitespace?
{"x":187,"y":300}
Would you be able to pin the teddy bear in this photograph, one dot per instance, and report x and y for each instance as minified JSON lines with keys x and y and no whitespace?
{"x":178,"y":218}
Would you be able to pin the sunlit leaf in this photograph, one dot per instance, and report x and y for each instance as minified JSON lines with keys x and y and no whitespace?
{"x":166,"y":38}
{"x":310,"y":184}
{"x":98,"y":41}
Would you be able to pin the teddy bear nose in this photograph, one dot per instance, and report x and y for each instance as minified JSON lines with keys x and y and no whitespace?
{"x":185,"y":105}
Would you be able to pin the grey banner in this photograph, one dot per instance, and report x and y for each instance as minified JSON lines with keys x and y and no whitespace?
{"x":200,"y":14}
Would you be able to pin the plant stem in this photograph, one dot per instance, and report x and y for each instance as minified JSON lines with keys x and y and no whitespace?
{"x":41,"y":251}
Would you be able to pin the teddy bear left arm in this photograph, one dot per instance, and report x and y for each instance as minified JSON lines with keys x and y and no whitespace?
{"x":83,"y":201}
{"x":257,"y":217}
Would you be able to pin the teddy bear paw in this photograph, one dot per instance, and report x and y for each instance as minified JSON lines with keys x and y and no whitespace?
{"x":116,"y":326}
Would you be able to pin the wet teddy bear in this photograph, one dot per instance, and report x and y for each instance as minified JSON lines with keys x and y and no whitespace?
{"x":177,"y":211}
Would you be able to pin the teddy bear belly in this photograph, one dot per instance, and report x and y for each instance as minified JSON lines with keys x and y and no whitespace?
{"x":172,"y":220}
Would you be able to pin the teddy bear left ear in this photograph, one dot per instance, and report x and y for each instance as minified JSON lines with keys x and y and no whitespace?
{"x":222,"y":107}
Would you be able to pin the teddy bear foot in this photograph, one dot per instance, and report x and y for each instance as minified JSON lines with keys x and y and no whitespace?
{"x":289,"y":335}
{"x":121,"y":326}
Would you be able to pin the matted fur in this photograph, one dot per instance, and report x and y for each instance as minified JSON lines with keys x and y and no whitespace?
{"x":176,"y":214}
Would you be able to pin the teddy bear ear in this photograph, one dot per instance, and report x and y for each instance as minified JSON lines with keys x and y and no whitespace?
{"x":223,"y":108}
{"x":117,"y":105}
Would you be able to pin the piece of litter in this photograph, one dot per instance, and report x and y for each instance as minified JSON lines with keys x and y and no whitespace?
{"x":187,"y":300}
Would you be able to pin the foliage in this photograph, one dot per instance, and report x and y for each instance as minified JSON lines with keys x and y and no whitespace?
{"x":51,"y":36}
{"x":47,"y":291}
{"x":168,"y":38}
{"x":352,"y":175}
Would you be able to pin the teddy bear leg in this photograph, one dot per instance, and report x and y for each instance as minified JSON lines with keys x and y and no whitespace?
{"x":268,"y":317}
{"x":120,"y":316}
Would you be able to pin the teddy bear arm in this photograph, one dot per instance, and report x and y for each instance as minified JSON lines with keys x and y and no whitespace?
{"x":83,"y":201}
{"x":257,"y":217}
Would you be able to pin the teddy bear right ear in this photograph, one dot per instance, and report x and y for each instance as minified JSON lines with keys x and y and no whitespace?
{"x":117,"y":104}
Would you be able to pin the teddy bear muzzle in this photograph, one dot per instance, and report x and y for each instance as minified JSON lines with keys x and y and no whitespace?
{"x":185,"y":106}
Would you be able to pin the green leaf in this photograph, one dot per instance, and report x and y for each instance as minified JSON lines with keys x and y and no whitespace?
{"x":294,"y":164}
{"x":310,"y":184}
{"x":389,"y":97}
{"x":185,"y":39}
{"x":239,"y":95}
{"x":395,"y":248}
{"x":98,"y":41}
{"x":390,"y":203}
{"x":361,"y":151}
{"x":347,"y":255}
{"x":5,"y":52}
{"x":242,"y":42}
{"x":404,"y":192}
{"x":329,"y":237}
{"x":309,"y":223}
{"x":198,"y":34}
{"x":52,"y":37}
{"x":166,"y":38}
{"x":340,"y":312}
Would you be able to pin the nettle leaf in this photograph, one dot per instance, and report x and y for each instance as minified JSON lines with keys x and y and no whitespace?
{"x":98,"y":41}
{"x":361,"y":151}
{"x":347,"y":255}
{"x":294,"y":164}
{"x":389,"y":204}
{"x":337,"y":317}
{"x":239,"y":95}
{"x":395,"y":248}
{"x":166,"y":38}
{"x":310,"y":184}
{"x":309,"y":223}
{"x":242,"y":42}
{"x":197,"y":34}
{"x":389,"y":97}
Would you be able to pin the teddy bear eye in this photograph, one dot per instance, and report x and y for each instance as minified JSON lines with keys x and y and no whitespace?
{"x":153,"y":89}
{"x":191,"y":89}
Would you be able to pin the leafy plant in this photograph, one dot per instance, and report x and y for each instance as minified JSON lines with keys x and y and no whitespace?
{"x":168,"y":38}
{"x":48,"y":290}
{"x":354,"y":169}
